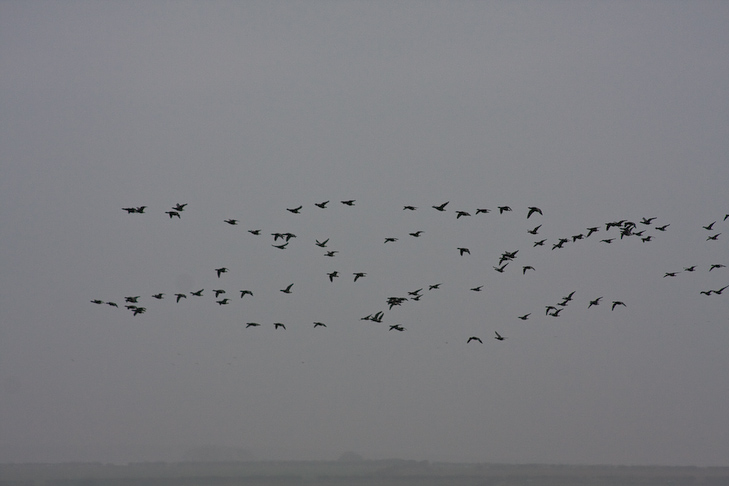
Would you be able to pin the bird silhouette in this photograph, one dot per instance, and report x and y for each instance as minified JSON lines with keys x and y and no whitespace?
{"x":409,"y":208}
{"x":535,"y":230}
{"x":97,"y":301}
{"x":716,"y":265}
{"x":442,"y":206}
{"x":349,"y":202}
{"x":532,"y":210}
{"x":131,"y":299}
{"x":525,"y":317}
{"x":233,"y":222}
{"x":474,"y":338}
{"x":319,"y":324}
{"x":333,"y":275}
{"x":245,"y":292}
{"x":179,"y":207}
{"x":499,"y":337}
{"x":180,"y":296}
{"x":396,"y":327}
{"x":112,"y":304}
{"x":294,"y":210}
{"x":538,"y":243}
{"x":464,"y":250}
{"x":358,"y":275}
{"x":221,"y":270}
{"x":252,"y":324}
{"x":222,"y":301}
{"x":616,"y":303}
{"x":714,"y":237}
{"x":281,"y":246}
{"x":663,"y":228}
{"x":482,"y":210}
{"x":416,"y":234}
{"x":709,"y":227}
{"x":647,"y":221}
{"x":525,"y":268}
{"x":331,"y":253}
{"x":173,"y":213}
{"x":322,"y":204}
{"x":159,"y":296}
{"x":322,"y":244}
{"x":434,"y":286}
{"x":255,"y":232}
{"x":718,"y":292}
{"x":477,"y":289}
{"x":501,"y":268}
{"x":390,"y":239}
{"x":276,"y":325}
{"x":198,"y":293}
{"x":462,"y":213}
{"x":595,"y":302}
{"x":218,"y":292}
{"x":503,"y":208}
{"x":287,"y":290}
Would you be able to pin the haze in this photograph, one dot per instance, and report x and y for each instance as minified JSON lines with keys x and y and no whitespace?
{"x":592,"y":111}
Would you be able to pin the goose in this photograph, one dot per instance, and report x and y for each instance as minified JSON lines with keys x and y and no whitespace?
{"x":221,"y":270}
{"x":577,"y":237}
{"x":616,"y":303}
{"x":130,"y":210}
{"x":607,"y":240}
{"x":593,"y":229}
{"x":349,"y":202}
{"x":198,"y":293}
{"x":462,"y":213}
{"x":218,"y":292}
{"x":534,"y":230}
{"x":255,"y":232}
{"x":706,"y":292}
{"x":322,"y":204}
{"x":482,"y":210}
{"x":525,"y":316}
{"x":499,"y":337}
{"x":288,"y":236}
{"x":287,"y":290}
{"x":532,"y":210}
{"x":718,"y":292}
{"x":670,"y":274}
{"x":555,"y":313}
{"x":232,"y":222}
{"x":222,"y":301}
{"x":549,"y":308}
{"x":97,"y":301}
{"x":477,"y":289}
{"x":276,"y":325}
{"x":333,"y":275}
{"x":525,"y":268}
{"x":646,"y":239}
{"x":243,"y":293}
{"x":538,"y":243}
{"x":409,"y":208}
{"x":416,"y":234}
{"x":501,"y":268}
{"x":140,"y":209}
{"x":331,"y":253}
{"x":692,"y":268}
{"x":139,"y":310}
{"x":415,"y":292}
{"x":322,"y":244}
{"x":294,"y":210}
{"x":173,"y":213}
{"x":396,"y":327}
{"x":442,"y":206}
{"x":281,"y":246}
{"x":179,"y":207}
{"x":503,"y":208}
{"x":319,"y":324}
{"x":569,"y":296}
{"x":714,"y":237}
{"x":716,"y":265}
{"x":366,"y":318}
{"x":663,"y":228}
{"x":358,"y":275}
{"x":390,"y":239}
{"x":474,"y":338}
{"x":464,"y":250}
{"x":131,"y":299}
{"x":558,"y":245}
{"x":647,"y":221}
{"x":595,"y":302}
{"x":377,"y":317}
{"x":112,"y":304}
{"x":180,"y":296}
{"x":709,"y":227}
{"x":159,"y":296}
{"x":252,"y":324}
{"x":434,"y":286}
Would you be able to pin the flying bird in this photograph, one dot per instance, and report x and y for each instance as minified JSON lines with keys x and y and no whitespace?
{"x":462,"y":213}
{"x":499,"y":337}
{"x":358,"y":275}
{"x":159,"y":296}
{"x":538,"y":243}
{"x":595,"y":302}
{"x":535,"y":230}
{"x":180,"y":296}
{"x":482,"y":210}
{"x":503,"y":208}
{"x":409,"y":208}
{"x":319,"y":324}
{"x":716,"y":265}
{"x":198,"y":293}
{"x":322,"y":205}
{"x":477,"y":289}
{"x":222,"y":301}
{"x":281,"y":246}
{"x":532,"y":210}
{"x":442,"y":206}
{"x":474,"y":338}
{"x":349,"y":202}
{"x":616,"y":303}
{"x":245,"y":292}
{"x":252,"y":324}
{"x":333,"y":275}
{"x":434,"y":286}
{"x":396,"y":327}
{"x":322,"y":244}
{"x":390,"y":239}
{"x":276,"y":325}
{"x":173,"y":213}
{"x":179,"y":207}
{"x":255,"y":232}
{"x":464,"y":250}
{"x":709,"y":227}
{"x":287,"y":290}
{"x":221,"y":270}
{"x":525,"y":317}
{"x":233,"y":222}
{"x":331,"y":253}
{"x":218,"y":292}
{"x":294,"y":210}
{"x":501,"y":268}
{"x":416,"y":234}
{"x":714,"y":237}
{"x":525,"y":268}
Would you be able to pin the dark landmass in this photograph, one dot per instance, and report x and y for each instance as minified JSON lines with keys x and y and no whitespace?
{"x":361,"y":473}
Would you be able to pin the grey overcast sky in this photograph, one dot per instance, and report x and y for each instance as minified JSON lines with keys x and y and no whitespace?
{"x":592,"y":111}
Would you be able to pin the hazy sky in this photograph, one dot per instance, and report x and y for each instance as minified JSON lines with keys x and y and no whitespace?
{"x":593,"y":111}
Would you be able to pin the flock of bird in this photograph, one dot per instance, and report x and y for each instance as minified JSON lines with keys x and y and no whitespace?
{"x":615,"y":231}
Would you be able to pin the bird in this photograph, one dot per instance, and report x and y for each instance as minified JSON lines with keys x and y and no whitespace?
{"x":646,"y":239}
{"x":252,"y":324}
{"x":322,"y":244}
{"x":221,"y":270}
{"x":534,"y":230}
{"x":112,"y":304}
{"x":539,"y":243}
{"x":474,"y":338}
{"x":222,"y":301}
{"x":198,"y":293}
{"x":434,"y":286}
{"x":549,"y":308}
{"x":595,"y":302}
{"x":718,"y":292}
{"x":555,"y":313}
{"x":716,"y":265}
{"x":331,"y":253}
{"x":131,"y":299}
{"x":358,"y":275}
{"x":276,"y":325}
{"x":281,"y":246}
{"x":558,"y":245}
{"x":180,"y":296}
{"x":139,"y":310}
{"x":294,"y":210}
{"x":525,"y":268}
{"x":616,"y":303}
{"x":464,"y":250}
{"x":647,"y":221}
{"x":477,"y":289}
{"x":442,"y":206}
{"x":390,"y":239}
{"x":482,"y":210}
{"x":377,"y":317}
{"x":322,"y":204}
{"x":173,"y":213}
{"x":97,"y":301}
{"x":396,"y":327}
{"x":607,"y":240}
{"x":179,"y":207}
{"x":706,"y":292}
{"x":416,"y":234}
{"x":409,"y":208}
{"x":245,"y":292}
{"x":499,"y":337}
{"x":218,"y":292}
{"x":569,"y":296}
{"x":462,"y":213}
{"x":709,"y":227}
{"x":255,"y":232}
{"x":532,"y":210}
{"x":333,"y":275}
{"x":503,"y":208}
{"x":714,"y":237}
{"x":319,"y":324}
{"x":670,"y":274}
{"x":159,"y":296}
{"x":233,"y":222}
{"x":130,"y":210}
{"x":525,"y":317}
{"x":140,"y":209}
{"x":663,"y":228}
{"x":287,"y":290}
{"x":592,"y":230}
{"x":577,"y":237}
{"x":349,"y":202}
{"x":501,"y":268}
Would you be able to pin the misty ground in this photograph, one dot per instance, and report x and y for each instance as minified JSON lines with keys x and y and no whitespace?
{"x":359,"y":472}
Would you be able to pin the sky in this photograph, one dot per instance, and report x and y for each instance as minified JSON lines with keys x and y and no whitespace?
{"x":594,"y":112}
